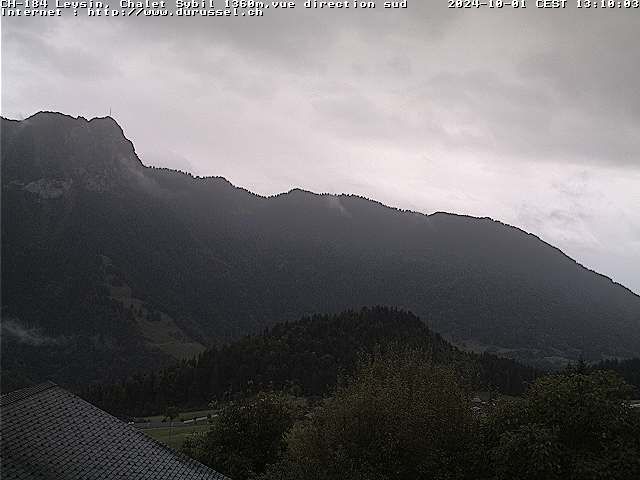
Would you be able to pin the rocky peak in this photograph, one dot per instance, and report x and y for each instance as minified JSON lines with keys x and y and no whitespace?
{"x":48,"y":152}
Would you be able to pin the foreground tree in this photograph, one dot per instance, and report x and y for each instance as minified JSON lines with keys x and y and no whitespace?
{"x":245,"y":437}
{"x":402,"y":417}
{"x":575,"y":426}
{"x":399,"y":417}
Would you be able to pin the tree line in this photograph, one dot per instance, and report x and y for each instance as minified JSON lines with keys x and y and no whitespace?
{"x":303,"y":358}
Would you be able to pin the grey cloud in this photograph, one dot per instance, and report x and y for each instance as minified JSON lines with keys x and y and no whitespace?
{"x":525,"y":120}
{"x":44,"y":50}
{"x":567,"y":218}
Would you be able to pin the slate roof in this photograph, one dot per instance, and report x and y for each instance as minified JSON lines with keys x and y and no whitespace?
{"x":49,"y":433}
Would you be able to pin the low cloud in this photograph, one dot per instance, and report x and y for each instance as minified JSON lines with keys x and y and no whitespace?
{"x":33,"y":336}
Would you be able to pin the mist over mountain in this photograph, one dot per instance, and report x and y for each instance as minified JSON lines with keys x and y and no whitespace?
{"x":119,"y":266}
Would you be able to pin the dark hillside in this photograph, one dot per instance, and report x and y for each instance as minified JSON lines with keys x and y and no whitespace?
{"x":305,"y":358}
{"x":109,"y":265}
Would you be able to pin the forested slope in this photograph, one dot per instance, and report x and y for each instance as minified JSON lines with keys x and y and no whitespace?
{"x":304,"y":358}
{"x":109,"y":265}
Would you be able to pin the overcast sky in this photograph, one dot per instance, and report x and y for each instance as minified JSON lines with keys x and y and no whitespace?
{"x":528,"y":116}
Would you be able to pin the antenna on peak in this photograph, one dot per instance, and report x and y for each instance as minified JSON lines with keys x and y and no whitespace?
{"x":110,"y":111}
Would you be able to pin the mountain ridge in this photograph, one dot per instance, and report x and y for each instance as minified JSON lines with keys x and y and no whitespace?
{"x":315,"y":194}
{"x":100,"y":244}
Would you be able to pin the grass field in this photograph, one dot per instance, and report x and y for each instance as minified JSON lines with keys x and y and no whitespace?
{"x":175,"y":437}
{"x":183,"y":415}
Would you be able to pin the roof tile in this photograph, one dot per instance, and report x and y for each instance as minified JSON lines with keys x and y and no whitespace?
{"x":49,"y":433}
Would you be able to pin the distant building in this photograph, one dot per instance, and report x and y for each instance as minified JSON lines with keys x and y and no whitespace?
{"x":481,"y":397}
{"x":49,"y":433}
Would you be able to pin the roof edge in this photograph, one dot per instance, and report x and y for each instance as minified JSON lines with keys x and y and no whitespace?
{"x":17,"y":395}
